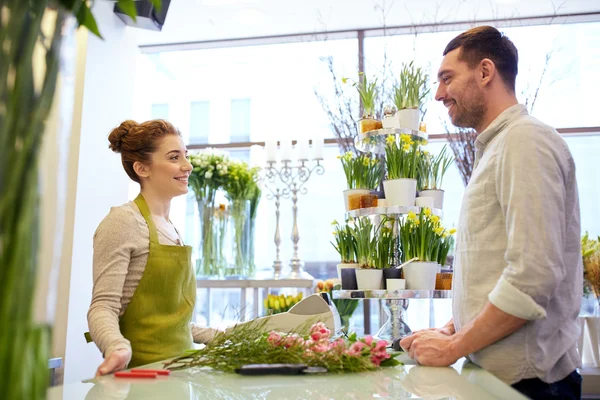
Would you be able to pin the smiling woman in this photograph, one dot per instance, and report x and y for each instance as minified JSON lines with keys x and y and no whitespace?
{"x":136,"y":321}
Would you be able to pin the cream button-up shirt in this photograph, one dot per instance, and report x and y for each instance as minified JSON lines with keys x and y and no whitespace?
{"x":518,"y":247}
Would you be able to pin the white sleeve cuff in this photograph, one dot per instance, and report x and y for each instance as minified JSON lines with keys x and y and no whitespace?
{"x":514,"y":302}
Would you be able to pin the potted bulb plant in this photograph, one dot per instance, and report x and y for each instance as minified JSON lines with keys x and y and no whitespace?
{"x":402,"y":157}
{"x":408,"y":95}
{"x":368,"y":275}
{"x":422,"y":237}
{"x":363,"y":174}
{"x":345,"y":244}
{"x":368,"y":92}
{"x":432,"y":171}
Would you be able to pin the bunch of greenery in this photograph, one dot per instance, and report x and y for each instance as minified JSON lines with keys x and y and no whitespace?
{"x":432,"y":169}
{"x":402,"y":156}
{"x":411,"y":90}
{"x":250,"y":344}
{"x":362,"y":171}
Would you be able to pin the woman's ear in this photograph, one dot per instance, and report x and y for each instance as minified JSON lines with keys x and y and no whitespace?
{"x":141,"y":169}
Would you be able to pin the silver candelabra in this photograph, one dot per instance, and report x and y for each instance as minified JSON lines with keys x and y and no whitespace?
{"x":293,"y":179}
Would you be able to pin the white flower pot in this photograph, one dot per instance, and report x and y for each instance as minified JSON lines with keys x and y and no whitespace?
{"x":436,"y":194}
{"x":400,"y":192}
{"x":420,"y":275}
{"x":369,"y":279}
{"x":409,"y":118}
{"x":395,"y":284}
{"x":353,"y":191}
{"x":341,"y":266}
{"x":424,"y":202}
{"x":391,"y":122}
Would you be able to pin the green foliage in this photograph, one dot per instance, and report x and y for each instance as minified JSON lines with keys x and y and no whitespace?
{"x":362,"y":171}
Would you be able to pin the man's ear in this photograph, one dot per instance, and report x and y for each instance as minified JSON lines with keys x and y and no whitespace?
{"x":487,"y":69}
{"x":141,"y":169}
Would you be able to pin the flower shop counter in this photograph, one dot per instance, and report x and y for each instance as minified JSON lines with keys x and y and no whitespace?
{"x":463,"y":381}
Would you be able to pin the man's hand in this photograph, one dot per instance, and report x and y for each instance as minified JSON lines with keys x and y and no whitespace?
{"x":116,"y":361}
{"x":431,"y":347}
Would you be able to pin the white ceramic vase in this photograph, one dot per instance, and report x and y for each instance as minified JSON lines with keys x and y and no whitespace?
{"x":400,"y":192}
{"x":409,"y":118}
{"x":369,"y":279}
{"x":420,"y":275}
{"x":436,"y":194}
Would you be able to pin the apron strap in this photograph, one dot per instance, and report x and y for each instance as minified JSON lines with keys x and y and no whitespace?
{"x":143,"y":206}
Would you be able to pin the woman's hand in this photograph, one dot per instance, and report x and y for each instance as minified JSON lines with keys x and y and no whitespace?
{"x":116,"y":361}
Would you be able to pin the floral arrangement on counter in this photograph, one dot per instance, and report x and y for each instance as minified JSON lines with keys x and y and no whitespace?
{"x":249,"y":344}
{"x":345,"y":307}
{"x":275,"y":304}
{"x":423,"y":237}
{"x":590,"y":252}
{"x":362,"y":171}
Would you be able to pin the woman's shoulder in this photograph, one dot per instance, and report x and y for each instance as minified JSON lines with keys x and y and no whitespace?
{"x":123,"y":219}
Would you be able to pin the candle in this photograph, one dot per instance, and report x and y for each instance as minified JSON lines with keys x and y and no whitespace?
{"x":271,"y":150}
{"x":285,"y":145}
{"x":317,"y":144}
{"x":302,"y":149}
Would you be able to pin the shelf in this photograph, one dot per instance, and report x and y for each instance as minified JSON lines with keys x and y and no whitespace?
{"x":363,"y":212}
{"x":392,"y":294}
{"x":374,"y":141}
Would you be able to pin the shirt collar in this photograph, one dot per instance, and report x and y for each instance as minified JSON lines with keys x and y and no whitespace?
{"x":499,"y":124}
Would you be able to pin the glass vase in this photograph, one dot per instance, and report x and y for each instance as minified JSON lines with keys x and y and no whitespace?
{"x":211,"y":249}
{"x":251,"y":270}
{"x":240,"y":238}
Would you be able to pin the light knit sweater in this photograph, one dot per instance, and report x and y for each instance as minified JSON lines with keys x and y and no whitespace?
{"x":121,"y":246}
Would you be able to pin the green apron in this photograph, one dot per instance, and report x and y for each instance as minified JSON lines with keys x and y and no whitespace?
{"x":157,"y":320}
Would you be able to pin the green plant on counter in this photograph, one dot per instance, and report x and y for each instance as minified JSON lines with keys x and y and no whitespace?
{"x":25,"y":105}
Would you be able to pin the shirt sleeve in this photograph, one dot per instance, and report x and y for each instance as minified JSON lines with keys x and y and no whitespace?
{"x":203,"y":335}
{"x":113,"y":246}
{"x":531,"y":179}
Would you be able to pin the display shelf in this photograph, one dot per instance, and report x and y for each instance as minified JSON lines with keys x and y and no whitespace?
{"x":399,"y":210}
{"x":392,"y":294}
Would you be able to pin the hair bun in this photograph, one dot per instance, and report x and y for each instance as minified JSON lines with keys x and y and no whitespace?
{"x":117,"y":135}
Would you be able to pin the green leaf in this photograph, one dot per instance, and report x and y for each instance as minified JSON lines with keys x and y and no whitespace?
{"x":86,"y":18}
{"x":157,"y":4}
{"x":128,"y":7}
{"x":390,"y":362}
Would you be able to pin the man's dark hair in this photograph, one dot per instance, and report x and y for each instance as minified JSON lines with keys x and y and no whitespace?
{"x":487,"y":42}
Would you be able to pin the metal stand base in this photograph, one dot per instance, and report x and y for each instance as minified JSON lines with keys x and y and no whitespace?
{"x":395,"y":327}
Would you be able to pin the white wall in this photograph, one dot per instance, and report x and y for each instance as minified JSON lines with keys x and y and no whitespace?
{"x":100,"y":180}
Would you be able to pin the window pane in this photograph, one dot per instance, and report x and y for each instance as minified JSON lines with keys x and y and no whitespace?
{"x":240,"y":120}
{"x":199,"y":122}
{"x":160,"y":111}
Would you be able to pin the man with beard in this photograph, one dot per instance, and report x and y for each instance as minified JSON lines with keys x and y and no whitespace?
{"x":518,"y":273}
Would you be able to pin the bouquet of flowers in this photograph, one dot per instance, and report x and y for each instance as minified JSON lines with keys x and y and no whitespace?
{"x":209,"y":174}
{"x":249,"y":344}
{"x":345,"y":307}
{"x":362,"y":172}
{"x":422,"y":236}
{"x":275,"y":304}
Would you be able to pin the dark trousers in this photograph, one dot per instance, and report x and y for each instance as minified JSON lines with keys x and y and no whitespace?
{"x":566,"y":389}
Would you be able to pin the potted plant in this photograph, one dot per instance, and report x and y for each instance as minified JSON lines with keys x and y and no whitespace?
{"x":408,"y":95}
{"x":422,"y":237}
{"x":368,"y":275}
{"x":363,"y":174}
{"x":345,"y":244}
{"x":432,"y":173}
{"x":385,"y":247}
{"x":368,"y":93}
{"x":402,"y":157}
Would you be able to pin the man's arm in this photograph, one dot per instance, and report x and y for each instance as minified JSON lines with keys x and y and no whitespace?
{"x":435,"y":348}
